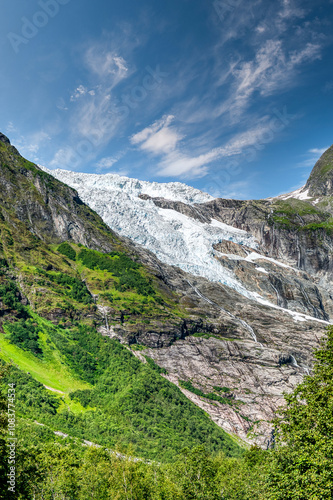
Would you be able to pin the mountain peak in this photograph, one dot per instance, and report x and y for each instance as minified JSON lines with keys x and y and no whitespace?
{"x":320,"y":182}
{"x":4,"y":138}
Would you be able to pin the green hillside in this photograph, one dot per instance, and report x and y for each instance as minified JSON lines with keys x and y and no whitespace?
{"x":53,"y":284}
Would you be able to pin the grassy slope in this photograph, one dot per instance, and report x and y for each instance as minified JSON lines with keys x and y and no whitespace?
{"x":300,"y":215}
{"x":109,"y":396}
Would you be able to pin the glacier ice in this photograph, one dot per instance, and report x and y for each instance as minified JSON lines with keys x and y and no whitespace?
{"x":173,"y":237}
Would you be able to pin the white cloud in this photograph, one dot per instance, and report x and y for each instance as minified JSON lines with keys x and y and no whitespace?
{"x":106,"y":64}
{"x":81,"y":91}
{"x":61,"y":104}
{"x":11,"y":127}
{"x":96,"y":119}
{"x":159,"y":138}
{"x":31,"y":144}
{"x":312,"y":156}
{"x":65,"y":158}
{"x":270,"y":71}
{"x":180,"y":165}
{"x":290,"y":10}
{"x":318,"y":151}
{"x":105,"y":163}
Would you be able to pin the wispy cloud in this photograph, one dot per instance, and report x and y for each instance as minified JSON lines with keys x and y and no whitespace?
{"x":109,"y":161}
{"x":271,"y":70}
{"x":289,"y":11}
{"x":31,"y":144}
{"x":106,"y":64}
{"x":311,"y":157}
{"x":238,"y":190}
{"x":81,"y":91}
{"x":160,"y":139}
{"x":64,"y":158}
{"x":106,"y":163}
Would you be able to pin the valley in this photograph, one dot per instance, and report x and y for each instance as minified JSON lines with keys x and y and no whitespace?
{"x":224,"y":301}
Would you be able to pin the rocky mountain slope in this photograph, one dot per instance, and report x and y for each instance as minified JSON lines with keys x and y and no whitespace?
{"x":227,"y":316}
{"x":259,"y":278}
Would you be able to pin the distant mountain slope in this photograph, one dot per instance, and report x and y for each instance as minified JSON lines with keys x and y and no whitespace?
{"x":320,"y":182}
{"x":176,"y":239}
{"x":232,"y":351}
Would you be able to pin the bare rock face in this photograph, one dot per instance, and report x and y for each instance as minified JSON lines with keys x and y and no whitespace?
{"x":254,"y":367}
{"x":4,"y":139}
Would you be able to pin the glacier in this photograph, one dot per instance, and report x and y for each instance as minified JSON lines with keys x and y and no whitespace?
{"x":174,"y":238}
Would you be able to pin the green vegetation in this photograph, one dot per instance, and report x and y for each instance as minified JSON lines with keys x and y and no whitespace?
{"x":326,"y":225}
{"x":302,"y":465}
{"x":106,"y":395}
{"x":72,"y":287}
{"x":121,"y":266}
{"x":324,"y":167}
{"x":3,"y":441}
{"x":298,"y":215}
{"x":211,"y":395}
{"x":299,"y":468}
{"x":9,"y":296}
{"x":205,"y":335}
{"x":67,"y":250}
{"x":221,"y":389}
{"x":24,"y":334}
{"x":69,"y":378}
{"x":292,"y":206}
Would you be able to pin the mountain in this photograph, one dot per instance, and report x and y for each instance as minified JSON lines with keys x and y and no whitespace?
{"x":320,"y":182}
{"x":67,"y":283}
{"x":254,"y":276}
{"x":165,"y":289}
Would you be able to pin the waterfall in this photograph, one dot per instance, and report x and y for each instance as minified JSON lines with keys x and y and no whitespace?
{"x":249,"y":329}
{"x":277,"y":294}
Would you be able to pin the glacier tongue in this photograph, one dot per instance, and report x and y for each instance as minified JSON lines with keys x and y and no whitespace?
{"x":174,"y":238}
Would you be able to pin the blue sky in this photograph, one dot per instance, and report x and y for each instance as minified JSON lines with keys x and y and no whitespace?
{"x":234,"y":97}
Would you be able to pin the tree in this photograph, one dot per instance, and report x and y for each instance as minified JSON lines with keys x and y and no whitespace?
{"x":302,"y":464}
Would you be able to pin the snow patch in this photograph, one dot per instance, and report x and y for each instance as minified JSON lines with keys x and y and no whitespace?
{"x":255,"y":256}
{"x":299,"y":194}
{"x":261,"y":270}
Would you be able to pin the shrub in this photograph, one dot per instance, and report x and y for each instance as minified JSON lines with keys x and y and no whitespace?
{"x":24,"y":334}
{"x":67,"y":250}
